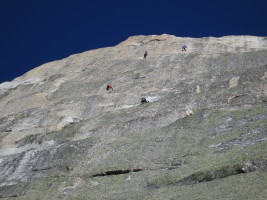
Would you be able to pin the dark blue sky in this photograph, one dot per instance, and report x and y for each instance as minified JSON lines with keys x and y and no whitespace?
{"x":34,"y":32}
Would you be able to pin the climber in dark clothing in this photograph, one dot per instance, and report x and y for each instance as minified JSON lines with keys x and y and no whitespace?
{"x":109,"y":88}
{"x":143,"y":100}
{"x":145,"y":55}
{"x":184,"y":48}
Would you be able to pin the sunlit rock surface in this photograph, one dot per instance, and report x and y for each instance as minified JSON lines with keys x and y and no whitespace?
{"x":203,"y":135}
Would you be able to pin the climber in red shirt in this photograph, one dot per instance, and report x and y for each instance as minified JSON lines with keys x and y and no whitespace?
{"x":109,"y":87}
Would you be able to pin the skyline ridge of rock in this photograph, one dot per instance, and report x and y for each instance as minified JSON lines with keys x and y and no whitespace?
{"x":62,"y":136}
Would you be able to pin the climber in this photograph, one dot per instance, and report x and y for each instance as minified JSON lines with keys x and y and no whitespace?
{"x":143,"y":100}
{"x":109,"y":88}
{"x":145,"y":55}
{"x":184,"y":48}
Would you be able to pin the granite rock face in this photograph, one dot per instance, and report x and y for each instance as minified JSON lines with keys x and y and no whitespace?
{"x":203,"y":134}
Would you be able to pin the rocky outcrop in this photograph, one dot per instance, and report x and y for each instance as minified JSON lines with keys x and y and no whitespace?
{"x":201,"y":136}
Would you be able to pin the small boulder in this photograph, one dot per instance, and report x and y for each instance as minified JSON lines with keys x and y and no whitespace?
{"x":234,"y":82}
